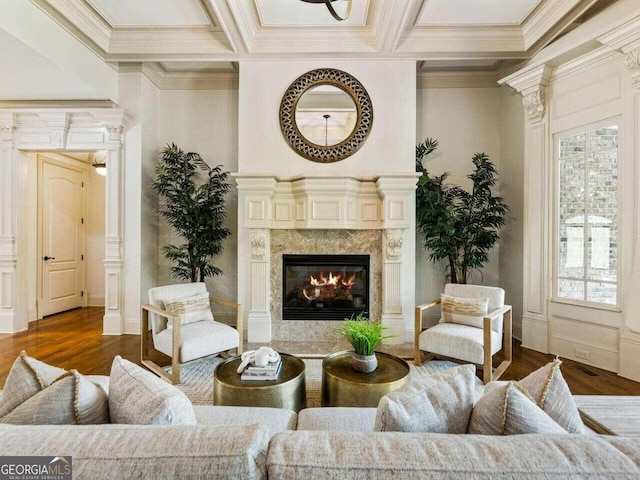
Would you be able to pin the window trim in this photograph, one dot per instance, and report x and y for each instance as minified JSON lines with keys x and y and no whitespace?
{"x":555,"y":209}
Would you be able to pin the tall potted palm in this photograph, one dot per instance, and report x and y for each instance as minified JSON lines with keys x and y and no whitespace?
{"x":457,"y":226}
{"x":192,"y":200}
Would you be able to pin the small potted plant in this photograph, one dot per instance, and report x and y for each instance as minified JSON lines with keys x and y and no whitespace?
{"x":364,"y":335}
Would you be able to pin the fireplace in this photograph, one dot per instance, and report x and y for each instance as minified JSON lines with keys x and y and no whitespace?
{"x":324,"y":287}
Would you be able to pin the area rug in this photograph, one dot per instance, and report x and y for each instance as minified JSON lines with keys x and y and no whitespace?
{"x":197,"y":378}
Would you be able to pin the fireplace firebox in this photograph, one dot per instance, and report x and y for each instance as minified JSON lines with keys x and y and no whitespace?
{"x":324,"y":287}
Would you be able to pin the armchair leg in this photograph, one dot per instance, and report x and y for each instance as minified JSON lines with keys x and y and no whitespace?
{"x":174,"y":378}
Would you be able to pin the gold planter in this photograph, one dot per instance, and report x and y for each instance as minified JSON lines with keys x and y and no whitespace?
{"x":342,"y":386}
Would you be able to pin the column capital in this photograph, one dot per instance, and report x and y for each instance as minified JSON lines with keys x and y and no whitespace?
{"x":632,"y":61}
{"x":626,"y":40}
{"x":8,"y":125}
{"x":532,"y":83}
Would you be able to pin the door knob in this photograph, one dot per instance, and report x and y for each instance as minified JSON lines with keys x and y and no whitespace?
{"x":48,"y":258}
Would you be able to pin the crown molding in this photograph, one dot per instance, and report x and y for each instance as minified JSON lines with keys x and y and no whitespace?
{"x":388,"y":18}
{"x":459,"y":79}
{"x":529,"y":78}
{"x":86,"y":19}
{"x":546,"y":16}
{"x":595,"y":57}
{"x":245,"y":19}
{"x":168,"y":40}
{"x":58,"y":104}
{"x":168,"y":80}
{"x":624,"y":38}
{"x":464,"y":39}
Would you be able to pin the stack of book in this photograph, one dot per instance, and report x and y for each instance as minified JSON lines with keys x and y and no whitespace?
{"x":269,"y":372}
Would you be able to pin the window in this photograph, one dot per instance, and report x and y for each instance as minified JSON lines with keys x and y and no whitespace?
{"x":587,"y":267}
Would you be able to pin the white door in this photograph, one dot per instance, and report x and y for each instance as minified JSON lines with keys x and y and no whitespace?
{"x":61,"y":207}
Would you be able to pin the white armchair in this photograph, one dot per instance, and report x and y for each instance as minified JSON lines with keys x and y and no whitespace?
{"x":474,"y":341}
{"x":183,"y":328}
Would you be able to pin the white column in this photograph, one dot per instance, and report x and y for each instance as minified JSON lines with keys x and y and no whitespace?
{"x":397,"y":193}
{"x":255,"y":195}
{"x":532,"y":84}
{"x":113,"y":321}
{"x":10,"y":320}
{"x":392,"y":315}
{"x":259,"y":321}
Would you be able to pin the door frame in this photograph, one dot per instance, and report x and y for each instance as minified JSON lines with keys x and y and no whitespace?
{"x":78,"y":128}
{"x":58,"y":159}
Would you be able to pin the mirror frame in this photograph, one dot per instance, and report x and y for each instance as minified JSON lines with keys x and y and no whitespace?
{"x":345,"y":82}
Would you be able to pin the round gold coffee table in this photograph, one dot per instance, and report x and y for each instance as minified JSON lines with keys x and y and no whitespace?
{"x":288,"y":391}
{"x":342,"y":386}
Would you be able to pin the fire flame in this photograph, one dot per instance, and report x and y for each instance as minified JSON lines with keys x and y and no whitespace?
{"x":349,"y":282}
{"x":332,"y":280}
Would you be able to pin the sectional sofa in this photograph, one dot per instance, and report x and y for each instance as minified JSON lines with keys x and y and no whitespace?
{"x":316,"y":443}
{"x":259,"y":443}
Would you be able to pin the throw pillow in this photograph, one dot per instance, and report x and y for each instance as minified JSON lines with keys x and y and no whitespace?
{"x":69,"y":400}
{"x":192,"y":308}
{"x":464,"y":311}
{"x":27,"y":377}
{"x":509,"y":410}
{"x":439,"y":404}
{"x":138,"y":397}
{"x":550,"y":391}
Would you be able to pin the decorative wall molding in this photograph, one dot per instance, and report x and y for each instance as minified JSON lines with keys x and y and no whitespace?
{"x":632,"y":62}
{"x":394,"y":240}
{"x":531,"y":83}
{"x":184,"y":80}
{"x":259,"y":241}
{"x":461,"y":79}
{"x":535,"y":104}
{"x":58,"y":129}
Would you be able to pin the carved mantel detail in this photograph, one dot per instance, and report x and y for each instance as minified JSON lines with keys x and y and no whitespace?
{"x":394,"y":240}
{"x":259,"y":244}
{"x":632,"y":61}
{"x":534,"y":104}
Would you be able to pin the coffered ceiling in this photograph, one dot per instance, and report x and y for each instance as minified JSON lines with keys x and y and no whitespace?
{"x":210,"y":36}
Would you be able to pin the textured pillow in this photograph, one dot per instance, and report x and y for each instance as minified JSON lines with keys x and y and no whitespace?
{"x":69,"y":400}
{"x":439,"y":404}
{"x":464,"y":311}
{"x":509,"y":410}
{"x":138,"y":397}
{"x":550,"y":391}
{"x":192,"y":308}
{"x":27,"y":377}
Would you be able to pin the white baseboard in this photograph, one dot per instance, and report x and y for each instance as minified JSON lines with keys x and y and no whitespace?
{"x":132,"y":326}
{"x":535,"y":334}
{"x":95,"y":300}
{"x":630,"y":356}
{"x":32,"y":314}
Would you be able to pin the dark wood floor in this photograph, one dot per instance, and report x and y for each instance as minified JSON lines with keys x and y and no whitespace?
{"x":74,"y":340}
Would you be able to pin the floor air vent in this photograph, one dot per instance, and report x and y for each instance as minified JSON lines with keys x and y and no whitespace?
{"x":586,"y":371}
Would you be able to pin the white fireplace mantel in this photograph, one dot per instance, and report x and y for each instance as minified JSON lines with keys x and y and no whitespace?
{"x":268,"y":202}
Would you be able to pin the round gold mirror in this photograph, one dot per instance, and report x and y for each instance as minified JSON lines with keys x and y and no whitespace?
{"x":326,"y":115}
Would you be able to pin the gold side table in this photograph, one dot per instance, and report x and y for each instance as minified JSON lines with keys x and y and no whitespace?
{"x":342,"y":386}
{"x":289,"y":391}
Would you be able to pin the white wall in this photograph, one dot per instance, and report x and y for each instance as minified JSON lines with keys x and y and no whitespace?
{"x":464,"y":121}
{"x":95,"y":223}
{"x":512,"y":188}
{"x":206,"y":122}
{"x":138,"y":96}
{"x":388,"y":149}
{"x":56,"y":58}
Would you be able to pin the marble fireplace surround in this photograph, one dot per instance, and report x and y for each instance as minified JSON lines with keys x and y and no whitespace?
{"x":324,"y":214}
